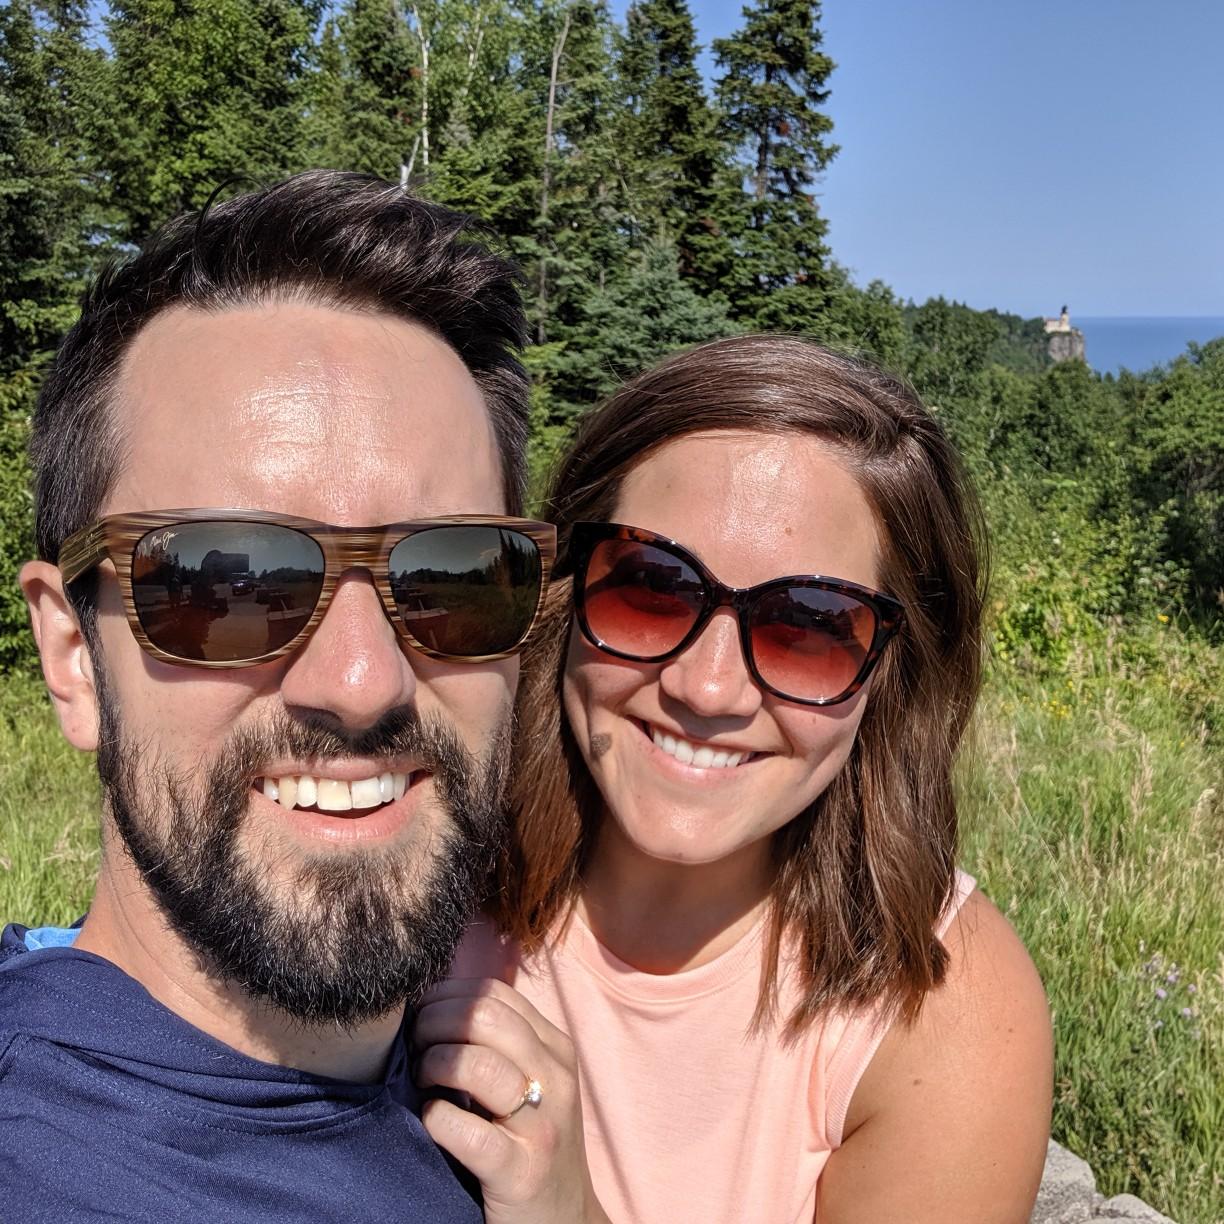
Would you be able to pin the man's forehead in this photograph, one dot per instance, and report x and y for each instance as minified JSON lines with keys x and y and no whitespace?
{"x":304,"y":409}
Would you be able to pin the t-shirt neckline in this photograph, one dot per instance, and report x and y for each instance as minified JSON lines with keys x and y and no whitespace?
{"x":665,"y":988}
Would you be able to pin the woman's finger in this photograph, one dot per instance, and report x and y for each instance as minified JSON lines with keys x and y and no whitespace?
{"x":489,"y":1078}
{"x":484,"y":1148}
{"x":486,"y":1010}
{"x":480,"y":1021}
{"x":490,"y":988}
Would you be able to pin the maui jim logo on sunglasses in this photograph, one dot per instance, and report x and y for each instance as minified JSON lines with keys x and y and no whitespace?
{"x":160,"y":540}
{"x":805,"y":638}
{"x":243,"y":587}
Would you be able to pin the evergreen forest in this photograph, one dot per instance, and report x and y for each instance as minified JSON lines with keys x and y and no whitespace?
{"x":651,"y":208}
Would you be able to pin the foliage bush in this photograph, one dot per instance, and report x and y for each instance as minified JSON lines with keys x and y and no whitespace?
{"x":16,"y":528}
{"x":1068,"y":562}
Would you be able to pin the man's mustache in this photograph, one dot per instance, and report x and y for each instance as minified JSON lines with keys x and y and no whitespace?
{"x":430,"y":741}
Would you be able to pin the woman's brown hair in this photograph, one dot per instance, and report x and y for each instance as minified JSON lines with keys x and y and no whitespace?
{"x":864,"y":873}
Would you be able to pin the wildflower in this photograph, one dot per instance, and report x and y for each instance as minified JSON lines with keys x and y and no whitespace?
{"x":1158,"y":1025}
{"x":1191,"y":988}
{"x":1162,"y":618}
{"x":1188,"y":1012}
{"x":1161,"y":993}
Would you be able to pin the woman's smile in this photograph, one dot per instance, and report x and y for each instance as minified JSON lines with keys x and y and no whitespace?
{"x":701,"y":761}
{"x":695,"y":753}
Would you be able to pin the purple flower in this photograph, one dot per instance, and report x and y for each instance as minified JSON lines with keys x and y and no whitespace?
{"x":1161,"y":993}
{"x":1187,"y":1012}
{"x":1191,"y":988}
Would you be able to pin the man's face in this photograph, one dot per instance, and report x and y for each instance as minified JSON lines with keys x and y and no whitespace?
{"x":354,"y":419}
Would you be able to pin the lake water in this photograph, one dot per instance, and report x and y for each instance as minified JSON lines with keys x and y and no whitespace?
{"x":1140,"y":343}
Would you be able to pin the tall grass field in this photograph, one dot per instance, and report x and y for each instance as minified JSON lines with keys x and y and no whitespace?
{"x":1094,"y":817}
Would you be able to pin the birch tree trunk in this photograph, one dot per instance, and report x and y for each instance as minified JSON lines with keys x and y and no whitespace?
{"x":423,"y":38}
{"x":546,"y":178}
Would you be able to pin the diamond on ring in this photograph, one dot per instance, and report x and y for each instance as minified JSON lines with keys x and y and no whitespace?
{"x":533,"y":1094}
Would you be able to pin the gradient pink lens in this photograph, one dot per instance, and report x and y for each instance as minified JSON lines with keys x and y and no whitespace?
{"x":640,"y":600}
{"x":810,"y":643}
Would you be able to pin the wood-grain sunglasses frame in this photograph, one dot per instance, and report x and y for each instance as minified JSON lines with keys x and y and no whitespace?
{"x":117,"y":537}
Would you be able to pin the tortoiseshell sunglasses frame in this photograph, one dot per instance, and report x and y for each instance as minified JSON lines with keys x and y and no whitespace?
{"x":888,"y":613}
{"x":117,"y":535}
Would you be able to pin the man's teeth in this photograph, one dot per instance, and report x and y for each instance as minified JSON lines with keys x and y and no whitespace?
{"x":332,"y":795}
{"x":702,"y":756}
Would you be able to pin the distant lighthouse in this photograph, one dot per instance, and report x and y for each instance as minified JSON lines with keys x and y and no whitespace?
{"x":1064,"y":342}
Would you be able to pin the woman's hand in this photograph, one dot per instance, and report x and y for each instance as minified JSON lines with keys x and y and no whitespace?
{"x":481,"y":1037}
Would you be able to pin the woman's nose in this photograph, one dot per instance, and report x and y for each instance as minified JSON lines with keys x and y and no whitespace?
{"x":711,"y":675}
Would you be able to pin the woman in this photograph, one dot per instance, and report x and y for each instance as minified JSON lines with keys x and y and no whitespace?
{"x":733,"y":876}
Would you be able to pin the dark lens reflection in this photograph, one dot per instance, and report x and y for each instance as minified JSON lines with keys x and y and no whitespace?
{"x":640,"y":599}
{"x":225,"y":591}
{"x":810,"y":643}
{"x":467,"y":590}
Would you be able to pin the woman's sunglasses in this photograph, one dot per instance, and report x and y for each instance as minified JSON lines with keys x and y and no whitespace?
{"x":808,"y":639}
{"x":232,"y":588}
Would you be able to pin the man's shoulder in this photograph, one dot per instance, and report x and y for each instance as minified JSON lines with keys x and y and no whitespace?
{"x":24,"y":953}
{"x":17,"y":939}
{"x":12,"y":942}
{"x":110,"y":1105}
{"x":13,"y":954}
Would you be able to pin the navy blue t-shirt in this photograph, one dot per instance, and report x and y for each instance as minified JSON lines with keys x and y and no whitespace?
{"x":114,"y":1108}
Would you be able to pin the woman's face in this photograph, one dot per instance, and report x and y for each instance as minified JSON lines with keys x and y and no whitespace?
{"x":752,"y":507}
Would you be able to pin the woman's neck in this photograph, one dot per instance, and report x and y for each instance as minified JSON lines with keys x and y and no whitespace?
{"x":663,"y":917}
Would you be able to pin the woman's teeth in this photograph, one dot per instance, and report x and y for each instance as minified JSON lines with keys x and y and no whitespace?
{"x":332,"y":795}
{"x":700,"y":755}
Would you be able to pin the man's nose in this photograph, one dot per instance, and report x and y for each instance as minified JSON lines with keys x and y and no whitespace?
{"x":353,"y":668}
{"x":710,"y":675}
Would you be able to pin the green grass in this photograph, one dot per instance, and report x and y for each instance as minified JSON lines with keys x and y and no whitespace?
{"x":1094,"y":803}
{"x":48,"y":812}
{"x":1096,"y":822}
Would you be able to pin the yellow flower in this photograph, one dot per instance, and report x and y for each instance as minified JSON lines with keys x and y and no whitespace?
{"x":1162,"y":618}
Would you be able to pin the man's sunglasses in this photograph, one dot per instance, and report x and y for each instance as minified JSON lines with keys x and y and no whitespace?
{"x":808,"y":639}
{"x":232,"y":588}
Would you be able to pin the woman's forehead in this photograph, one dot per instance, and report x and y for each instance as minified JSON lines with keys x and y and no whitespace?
{"x":756,"y":505}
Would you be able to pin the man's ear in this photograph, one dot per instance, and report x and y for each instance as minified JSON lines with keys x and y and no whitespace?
{"x":66,"y":664}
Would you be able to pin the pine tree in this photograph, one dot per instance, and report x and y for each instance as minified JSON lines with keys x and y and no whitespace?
{"x":47,"y":209}
{"x":47,"y":220}
{"x":200,"y":94}
{"x":771,"y":91}
{"x":579,"y":232}
{"x":671,"y":154}
{"x":487,"y":121}
{"x":364,"y":94}
{"x":645,"y":311}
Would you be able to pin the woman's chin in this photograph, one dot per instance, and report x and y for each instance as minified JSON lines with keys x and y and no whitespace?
{"x":684,"y":837}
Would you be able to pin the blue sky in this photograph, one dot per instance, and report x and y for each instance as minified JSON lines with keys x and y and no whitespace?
{"x":1026,"y":153}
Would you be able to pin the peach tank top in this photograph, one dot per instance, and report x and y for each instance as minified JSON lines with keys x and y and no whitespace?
{"x":688,"y":1116}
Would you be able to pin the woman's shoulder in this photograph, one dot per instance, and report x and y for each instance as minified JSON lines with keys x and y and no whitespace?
{"x":989,"y":1014}
{"x":962,"y":1092}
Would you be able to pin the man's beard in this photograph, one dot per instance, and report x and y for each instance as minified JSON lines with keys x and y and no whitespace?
{"x":364,"y":932}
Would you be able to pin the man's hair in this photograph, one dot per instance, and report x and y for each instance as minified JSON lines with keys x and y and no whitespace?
{"x":863,"y":874}
{"x":336,"y":239}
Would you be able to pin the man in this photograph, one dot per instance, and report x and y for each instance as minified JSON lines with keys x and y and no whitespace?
{"x":301,"y":728}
